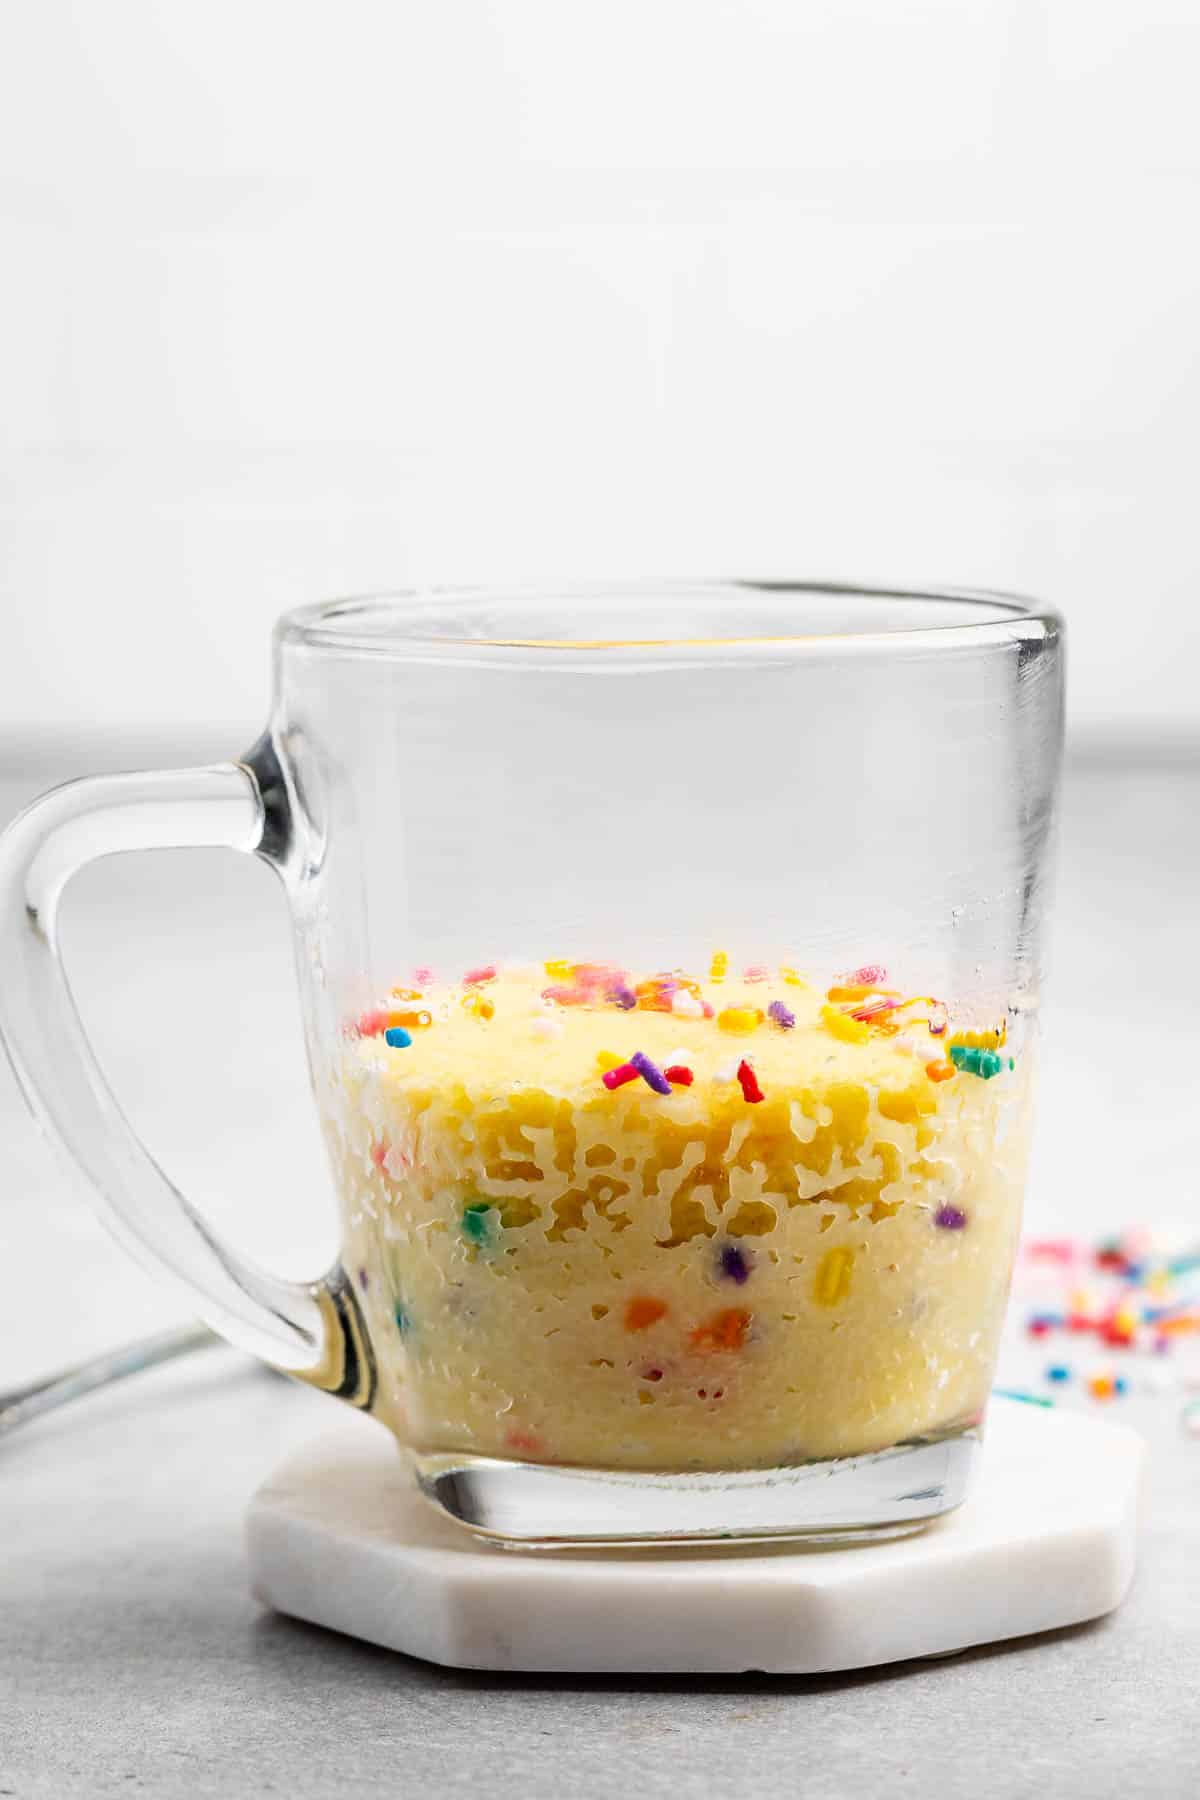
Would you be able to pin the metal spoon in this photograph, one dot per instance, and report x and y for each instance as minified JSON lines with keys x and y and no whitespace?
{"x":20,"y":1406}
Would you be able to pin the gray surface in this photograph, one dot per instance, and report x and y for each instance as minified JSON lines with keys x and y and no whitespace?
{"x":132,"y":1657}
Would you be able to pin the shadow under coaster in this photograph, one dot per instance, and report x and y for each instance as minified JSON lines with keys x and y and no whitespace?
{"x":339,"y":1536}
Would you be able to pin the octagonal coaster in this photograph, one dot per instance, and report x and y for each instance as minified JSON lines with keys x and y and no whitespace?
{"x":340,"y":1536}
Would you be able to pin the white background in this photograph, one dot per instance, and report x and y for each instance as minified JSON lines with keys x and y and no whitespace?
{"x":301,"y":299}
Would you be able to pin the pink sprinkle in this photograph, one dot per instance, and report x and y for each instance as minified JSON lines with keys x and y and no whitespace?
{"x":476,"y":977}
{"x":526,"y":1441}
{"x":616,"y":1078}
{"x":423,"y":976}
{"x":371,"y":1024}
{"x":708,"y":1011}
{"x":870,"y":975}
{"x":379,"y":1154}
{"x":874,"y":1009}
{"x":755,"y":972}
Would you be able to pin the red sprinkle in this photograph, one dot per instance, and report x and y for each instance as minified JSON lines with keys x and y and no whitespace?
{"x":678,"y":1076}
{"x":476,"y":977}
{"x":870,"y":975}
{"x":379,"y":1154}
{"x":372,"y":1023}
{"x":751,"y":1091}
{"x":615,"y":1078}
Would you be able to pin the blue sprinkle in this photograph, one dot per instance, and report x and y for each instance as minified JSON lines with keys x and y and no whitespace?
{"x":735,"y":1265}
{"x":1120,"y":1385}
{"x":403,"y":1318}
{"x":397,"y":1037}
{"x":1058,"y":1372}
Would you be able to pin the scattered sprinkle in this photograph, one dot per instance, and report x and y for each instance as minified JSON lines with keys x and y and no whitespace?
{"x":840,"y":1025}
{"x":476,"y":977}
{"x":783,"y":1015}
{"x":833,"y":1277}
{"x":950,"y":1218}
{"x":940,"y":1071}
{"x":397,"y":1038}
{"x":726,"y":1330}
{"x":650,"y":1073}
{"x":679,"y":1075}
{"x":756,"y":972}
{"x":364,"y":1280}
{"x":685,"y":1005}
{"x":734,"y":1264}
{"x":741,"y":1020}
{"x":984,"y":1063}
{"x":644,"y":1310}
{"x":719,"y":966}
{"x":622,"y":996}
{"x":615,"y":1078}
{"x":547,"y":1027}
{"x":403,"y":1318}
{"x":1058,"y":1372}
{"x":751,"y":1092}
{"x":607,"y":1059}
{"x":475,"y":1222}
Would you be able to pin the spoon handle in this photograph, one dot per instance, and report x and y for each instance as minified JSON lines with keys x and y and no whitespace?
{"x":20,"y":1406}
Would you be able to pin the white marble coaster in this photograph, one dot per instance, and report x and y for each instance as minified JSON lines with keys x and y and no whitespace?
{"x":339,"y":1536}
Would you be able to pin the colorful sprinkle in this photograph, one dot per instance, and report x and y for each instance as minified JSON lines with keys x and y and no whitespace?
{"x":685,"y":1005}
{"x":869,"y":976}
{"x":756,"y":972}
{"x":719,"y":966}
{"x":751,"y":1092}
{"x":650,"y":1073}
{"x":741,"y":1020}
{"x":616,"y":1078}
{"x":644,"y":1310}
{"x":984,"y":1063}
{"x":833,"y":1277}
{"x":479,"y":1006}
{"x":783,"y":1015}
{"x":396,"y":1038}
{"x":1102,"y":1387}
{"x":734,"y":1263}
{"x":1058,"y":1372}
{"x":409,"y":1019}
{"x":726,"y":1330}
{"x":476,"y":977}
{"x":940,"y":1071}
{"x":547,"y":1027}
{"x":679,"y":1075}
{"x":423,"y":977}
{"x":607,"y":1059}
{"x":364,"y":1280}
{"x":622,"y":996}
{"x":475,"y":1222}
{"x":950,"y":1218}
{"x":840,"y":1025}
{"x":403,"y":1318}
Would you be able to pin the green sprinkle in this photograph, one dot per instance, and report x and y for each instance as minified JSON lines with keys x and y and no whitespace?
{"x":403,"y":1318}
{"x":475,"y":1221}
{"x":984,"y":1063}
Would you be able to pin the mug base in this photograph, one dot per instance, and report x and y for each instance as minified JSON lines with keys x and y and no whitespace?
{"x":886,"y":1494}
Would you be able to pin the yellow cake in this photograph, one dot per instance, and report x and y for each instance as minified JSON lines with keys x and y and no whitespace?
{"x":786,"y":1235}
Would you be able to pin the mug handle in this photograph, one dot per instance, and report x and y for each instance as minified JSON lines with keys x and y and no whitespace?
{"x":313,"y":1330}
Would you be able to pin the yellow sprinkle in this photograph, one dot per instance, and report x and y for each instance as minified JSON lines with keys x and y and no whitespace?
{"x":741,"y":1020}
{"x":478,"y":1005}
{"x":719,"y":967}
{"x":840,"y":1025}
{"x":833,"y":1277}
{"x":980,"y":1040}
{"x":560,"y":970}
{"x":606,"y":1060}
{"x":792,"y":976}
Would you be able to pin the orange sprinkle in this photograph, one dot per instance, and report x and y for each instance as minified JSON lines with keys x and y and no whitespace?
{"x":940,"y":1071}
{"x":478,"y":1005}
{"x":724,"y":1331}
{"x":1102,"y":1387}
{"x":644,"y":1310}
{"x":406,"y":1020}
{"x":654,"y":995}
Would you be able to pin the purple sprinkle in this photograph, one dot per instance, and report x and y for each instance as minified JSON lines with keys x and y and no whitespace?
{"x":950,"y":1218}
{"x":735,"y":1264}
{"x":622,"y":996}
{"x":650,"y":1073}
{"x":783,"y":1015}
{"x":363,"y":1280}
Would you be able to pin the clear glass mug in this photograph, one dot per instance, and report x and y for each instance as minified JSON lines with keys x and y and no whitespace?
{"x":669,"y":960}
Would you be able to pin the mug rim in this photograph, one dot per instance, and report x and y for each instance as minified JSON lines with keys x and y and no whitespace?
{"x":411,"y":621}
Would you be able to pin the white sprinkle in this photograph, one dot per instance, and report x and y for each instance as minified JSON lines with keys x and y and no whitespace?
{"x":686,"y":1005}
{"x":676,"y":1056}
{"x":726,"y":1072}
{"x":547,"y":1028}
